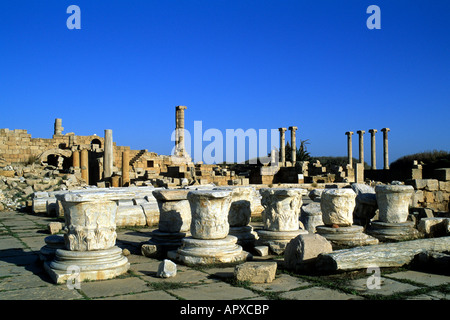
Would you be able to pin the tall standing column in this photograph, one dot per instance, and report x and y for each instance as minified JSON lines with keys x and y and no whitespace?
{"x":373,"y":149}
{"x":361,"y":145}
{"x":76,"y":159}
{"x":58,"y":129}
{"x":179,"y":136}
{"x":108,"y":155}
{"x":125,"y":168}
{"x":385,"y":148}
{"x":349,"y":147}
{"x":293,"y":145}
{"x":84,"y":161}
{"x":282,"y":146}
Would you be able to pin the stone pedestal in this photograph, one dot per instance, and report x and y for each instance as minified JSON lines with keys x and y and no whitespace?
{"x":344,"y":237}
{"x":210,"y":242}
{"x":393,"y":203}
{"x":337,"y":213}
{"x":366,"y":204}
{"x":311,"y":216}
{"x":239,"y":216}
{"x":337,"y":207}
{"x":90,"y":250}
{"x":280,"y":217}
{"x":52,"y":243}
{"x":392,"y":232}
{"x":174,"y":222}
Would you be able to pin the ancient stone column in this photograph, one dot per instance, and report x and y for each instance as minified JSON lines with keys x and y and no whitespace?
{"x":293,"y":144}
{"x":282,"y":146}
{"x":84,"y":162}
{"x":349,"y":148}
{"x":361,"y":145}
{"x":337,"y":206}
{"x":210,"y":241}
{"x":373,"y":149}
{"x":179,"y":135}
{"x":58,"y":127}
{"x":174,"y":222}
{"x":393,"y":204}
{"x":76,"y":159}
{"x":385,"y":147}
{"x":125,"y":168}
{"x":108,"y":155}
{"x":90,"y":240}
{"x":280,"y":217}
{"x":239,"y":216}
{"x":210,"y":213}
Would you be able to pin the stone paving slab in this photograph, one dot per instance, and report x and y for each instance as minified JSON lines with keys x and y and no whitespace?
{"x":22,"y":275}
{"x":387,"y":287}
{"x":318,"y":293}
{"x":282,"y":282}
{"x":213,"y":291}
{"x":113,"y":287}
{"x":421,"y":277}
{"x":149,"y":295}
{"x":43,"y":293}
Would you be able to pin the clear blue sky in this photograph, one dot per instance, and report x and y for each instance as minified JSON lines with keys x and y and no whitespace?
{"x":235,"y":64}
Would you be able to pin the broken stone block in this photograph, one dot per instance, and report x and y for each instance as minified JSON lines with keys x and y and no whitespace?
{"x":262,"y":250}
{"x":302,"y":251}
{"x":434,"y":227}
{"x":55,"y":227}
{"x":149,"y":250}
{"x":166,"y":269}
{"x":256,"y":272}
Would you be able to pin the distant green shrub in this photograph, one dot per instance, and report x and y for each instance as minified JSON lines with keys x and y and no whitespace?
{"x":432,"y":159}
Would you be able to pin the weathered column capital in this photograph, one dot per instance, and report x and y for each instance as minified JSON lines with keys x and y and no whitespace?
{"x":373,"y":131}
{"x":282,"y":130}
{"x":385,"y":129}
{"x":181,"y":107}
{"x":293,"y":128}
{"x":360,"y":132}
{"x":349,"y":133}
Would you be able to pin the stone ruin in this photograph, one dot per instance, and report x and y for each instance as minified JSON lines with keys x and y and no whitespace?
{"x":208,"y":214}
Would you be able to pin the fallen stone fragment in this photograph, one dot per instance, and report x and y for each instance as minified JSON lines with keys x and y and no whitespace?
{"x":256,"y":272}
{"x":302,"y":251}
{"x":262,"y":250}
{"x":166,"y":269}
{"x":434,"y":227}
{"x":381,"y":255}
{"x":55,"y":227}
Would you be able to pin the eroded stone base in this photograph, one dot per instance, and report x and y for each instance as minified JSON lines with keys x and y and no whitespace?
{"x":245,"y":235}
{"x":277,"y":240}
{"x":88,"y":265}
{"x":391,"y":232}
{"x":162,"y":242}
{"x":52,"y":243}
{"x":345,"y":237}
{"x":203,"y":252}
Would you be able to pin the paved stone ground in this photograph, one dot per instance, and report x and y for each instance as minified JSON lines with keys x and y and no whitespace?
{"x":22,"y":276}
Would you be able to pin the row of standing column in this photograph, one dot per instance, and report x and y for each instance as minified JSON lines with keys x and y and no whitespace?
{"x":80,"y":159}
{"x":283,"y":145}
{"x":373,"y":147}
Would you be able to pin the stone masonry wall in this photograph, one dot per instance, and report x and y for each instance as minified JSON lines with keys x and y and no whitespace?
{"x":430,"y":193}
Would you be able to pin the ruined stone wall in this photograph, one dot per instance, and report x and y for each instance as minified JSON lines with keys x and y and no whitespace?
{"x":430,"y":193}
{"x":18,"y":147}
